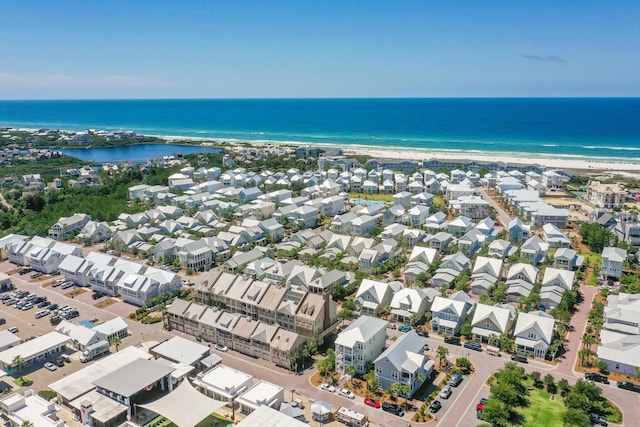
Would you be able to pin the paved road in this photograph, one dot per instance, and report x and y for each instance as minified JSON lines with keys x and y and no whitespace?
{"x":502,"y":216}
{"x":459,"y":410}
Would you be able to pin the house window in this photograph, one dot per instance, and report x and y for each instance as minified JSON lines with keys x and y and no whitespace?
{"x":394,"y":374}
{"x":378,"y":369}
{"x":488,"y":325}
{"x":532,"y":335}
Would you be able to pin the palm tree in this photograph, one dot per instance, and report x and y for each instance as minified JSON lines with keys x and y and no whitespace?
{"x":442,"y":352}
{"x":588,"y":341}
{"x":18,"y":364}
{"x":401,"y":390}
{"x":351,"y":371}
{"x":116,"y":341}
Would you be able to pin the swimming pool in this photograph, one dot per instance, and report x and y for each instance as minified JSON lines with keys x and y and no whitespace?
{"x":367,"y":202}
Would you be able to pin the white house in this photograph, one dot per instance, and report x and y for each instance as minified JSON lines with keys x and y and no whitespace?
{"x":373,"y":294}
{"x":621,"y":352}
{"x":621,"y":313}
{"x":448,"y":314}
{"x":361,"y":342}
{"x":489,"y":322}
{"x":613,"y":262}
{"x":534,"y":333}
{"x":410,"y":304}
{"x":486,"y":273}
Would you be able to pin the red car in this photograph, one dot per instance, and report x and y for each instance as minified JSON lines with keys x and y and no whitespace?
{"x":372,"y":402}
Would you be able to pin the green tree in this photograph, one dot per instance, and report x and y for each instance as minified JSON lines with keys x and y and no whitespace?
{"x":596,"y":237}
{"x":351,"y":371}
{"x":588,"y":341}
{"x":563,"y":386}
{"x":115,"y":341}
{"x":506,"y":394}
{"x":442,"y":352}
{"x":373,"y":383}
{"x":535,"y":376}
{"x":400,"y":389}
{"x":575,"y":418}
{"x":324,"y":366}
{"x":463,"y":363}
{"x":18,"y":364}
{"x":349,"y":304}
{"x":26,"y":423}
{"x":549,"y":383}
{"x":496,"y":413}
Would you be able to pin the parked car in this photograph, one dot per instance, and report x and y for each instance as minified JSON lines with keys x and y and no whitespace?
{"x":473,"y":345}
{"x":27,"y":306}
{"x":392,"y":408}
{"x":67,"y":285}
{"x":55,"y":320}
{"x":596,"y":377}
{"x":13,"y":329}
{"x":519,"y":358}
{"x":626,"y":385}
{"x":346,"y":393}
{"x":452,"y":340}
{"x":36,"y":275}
{"x":598,"y":419}
{"x":53,"y":307}
{"x":327,"y":387}
{"x":3,"y":320}
{"x":435,"y":406}
{"x":446,"y":391}
{"x":221,"y":347}
{"x":57,"y":283}
{"x":404,"y":328}
{"x":422,"y":333}
{"x":372,"y":402}
{"x":455,"y":380}
{"x":59,"y":361}
{"x":97,"y":295}
{"x":50,"y":366}
{"x":391,"y":326}
{"x":43,"y":304}
{"x":71,"y":314}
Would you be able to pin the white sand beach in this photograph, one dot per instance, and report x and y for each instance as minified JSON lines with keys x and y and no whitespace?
{"x":558,"y":163}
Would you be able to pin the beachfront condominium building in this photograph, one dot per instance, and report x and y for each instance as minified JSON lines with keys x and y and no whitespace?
{"x":610,"y":196}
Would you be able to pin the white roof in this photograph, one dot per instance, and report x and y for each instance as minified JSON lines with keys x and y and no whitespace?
{"x":441,"y":304}
{"x":557,"y":277}
{"x":266,"y":416}
{"x":491,"y":266}
{"x":173,"y":406}
{"x":413,"y":297}
{"x":111,"y":327}
{"x":81,"y":382}
{"x":262,"y":393}
{"x":541,"y":322}
{"x":614,"y":254}
{"x":361,"y":330}
{"x":181,"y":350}
{"x":33,"y":347}
{"x":497,"y":315}
{"x":226,"y":379}
{"x":619,"y":348}
{"x":425,"y":254}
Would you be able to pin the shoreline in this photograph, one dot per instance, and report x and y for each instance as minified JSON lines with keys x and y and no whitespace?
{"x":559,"y":161}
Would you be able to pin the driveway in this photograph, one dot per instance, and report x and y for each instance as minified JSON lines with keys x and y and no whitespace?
{"x":502,"y":216}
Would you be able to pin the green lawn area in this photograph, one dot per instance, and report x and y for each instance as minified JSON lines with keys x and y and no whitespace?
{"x":543,"y":411}
{"x":214,"y":419}
{"x":376,"y":197}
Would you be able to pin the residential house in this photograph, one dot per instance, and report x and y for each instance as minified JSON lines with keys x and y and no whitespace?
{"x":533,"y":333}
{"x":518,"y":231}
{"x":521,"y":280}
{"x":621,"y":313}
{"x":612,"y":262}
{"x":409,"y":305}
{"x":486,"y":273}
{"x":418,"y":214}
{"x":554,"y":237}
{"x":460,"y":226}
{"x":65,"y":227}
{"x":534,"y":250}
{"x":491,"y":321}
{"x":373,"y":294}
{"x":341,"y":224}
{"x":568,"y":259}
{"x":448,"y":314}
{"x":609,"y":196}
{"x":555,"y":283}
{"x":360,"y":343}
{"x":404,"y":362}
{"x":362,"y":225}
{"x":501,"y":249}
{"x":449,"y":269}
{"x":440,"y":241}
{"x":419,"y":262}
{"x":94,"y":232}
{"x":621,"y":352}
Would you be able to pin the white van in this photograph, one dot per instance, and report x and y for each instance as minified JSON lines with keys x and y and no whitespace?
{"x":493,"y":351}
{"x":42,"y":313}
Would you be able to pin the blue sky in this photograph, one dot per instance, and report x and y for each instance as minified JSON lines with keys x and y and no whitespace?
{"x":266,"y":49}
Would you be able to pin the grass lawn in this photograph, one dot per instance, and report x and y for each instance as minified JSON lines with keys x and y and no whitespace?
{"x":543,"y":411}
{"x":375,"y":197}
{"x":214,"y":419}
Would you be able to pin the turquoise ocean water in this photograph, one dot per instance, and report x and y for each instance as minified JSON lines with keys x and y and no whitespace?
{"x":600,"y":128}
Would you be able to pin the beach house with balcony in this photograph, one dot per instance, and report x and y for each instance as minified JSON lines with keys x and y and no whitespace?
{"x":448,"y":314}
{"x":404,"y":362}
{"x":360,"y":343}
{"x":533,"y":333}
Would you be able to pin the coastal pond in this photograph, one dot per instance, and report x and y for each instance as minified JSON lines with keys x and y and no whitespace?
{"x":134,"y":153}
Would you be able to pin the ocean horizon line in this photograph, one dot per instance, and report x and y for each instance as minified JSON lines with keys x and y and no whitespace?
{"x":367,"y":98}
